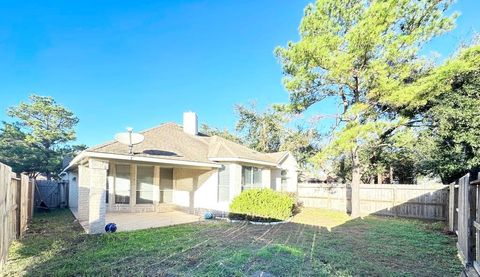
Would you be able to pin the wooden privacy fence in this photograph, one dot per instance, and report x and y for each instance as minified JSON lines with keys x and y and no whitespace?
{"x":464,"y":218}
{"x":16,"y":208}
{"x":415,"y":201}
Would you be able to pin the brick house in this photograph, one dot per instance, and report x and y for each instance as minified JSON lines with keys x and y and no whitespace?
{"x":173,"y":168}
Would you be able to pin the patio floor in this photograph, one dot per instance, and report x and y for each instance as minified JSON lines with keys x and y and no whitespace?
{"x":137,"y":221}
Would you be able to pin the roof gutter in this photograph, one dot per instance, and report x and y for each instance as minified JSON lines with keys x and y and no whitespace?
{"x":89,"y":154}
{"x":243,"y":160}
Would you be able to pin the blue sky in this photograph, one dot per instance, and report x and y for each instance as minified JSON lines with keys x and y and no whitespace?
{"x":140,"y":63}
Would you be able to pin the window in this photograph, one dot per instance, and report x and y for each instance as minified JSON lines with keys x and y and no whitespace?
{"x":284,"y":180}
{"x":144,"y":185}
{"x":223,"y":184}
{"x":122,"y":184}
{"x":166,"y":185}
{"x":251,"y":177}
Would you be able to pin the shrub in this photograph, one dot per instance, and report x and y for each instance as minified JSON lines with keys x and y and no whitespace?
{"x":262,"y":205}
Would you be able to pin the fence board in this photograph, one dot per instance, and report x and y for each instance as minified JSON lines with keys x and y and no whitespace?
{"x":414,"y":201}
{"x":464,"y":243}
{"x":16,"y":206}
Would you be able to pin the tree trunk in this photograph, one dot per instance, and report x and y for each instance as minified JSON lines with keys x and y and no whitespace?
{"x":356,"y":180}
{"x":379,"y":178}
{"x":391,"y":175}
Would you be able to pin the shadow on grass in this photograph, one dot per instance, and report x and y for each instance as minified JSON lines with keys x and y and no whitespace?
{"x":46,"y":231}
{"x":373,"y":245}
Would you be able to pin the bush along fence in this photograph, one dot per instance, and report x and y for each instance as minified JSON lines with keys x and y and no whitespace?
{"x":413,"y":201}
{"x":16,"y":208}
{"x":464,"y":218}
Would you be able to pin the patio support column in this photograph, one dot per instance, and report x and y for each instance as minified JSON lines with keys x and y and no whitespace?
{"x":83,"y":194}
{"x":156,"y":186}
{"x":97,"y":195}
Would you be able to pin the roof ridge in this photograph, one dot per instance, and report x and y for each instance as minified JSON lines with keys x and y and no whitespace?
{"x":253,"y":151}
{"x":280,"y":158}
{"x":158,"y":126}
{"x":244,"y":146}
{"x":110,"y":142}
{"x":213,"y":146}
{"x":226,"y":147}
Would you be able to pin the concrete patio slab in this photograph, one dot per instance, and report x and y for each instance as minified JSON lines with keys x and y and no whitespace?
{"x":138,"y":221}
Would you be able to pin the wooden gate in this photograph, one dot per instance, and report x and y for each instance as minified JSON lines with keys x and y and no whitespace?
{"x":54,"y":194}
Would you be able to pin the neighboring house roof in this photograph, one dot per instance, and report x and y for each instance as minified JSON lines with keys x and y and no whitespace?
{"x":169,"y":142}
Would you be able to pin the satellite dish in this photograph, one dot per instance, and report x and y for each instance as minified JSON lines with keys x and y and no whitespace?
{"x":129,"y":138}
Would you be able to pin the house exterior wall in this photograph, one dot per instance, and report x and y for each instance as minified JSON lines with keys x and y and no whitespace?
{"x":290,"y":165}
{"x":205,"y":185}
{"x":72,"y":178}
{"x":276,"y":179}
{"x":188,"y":182}
{"x":194,"y":190}
{"x":266,"y":177}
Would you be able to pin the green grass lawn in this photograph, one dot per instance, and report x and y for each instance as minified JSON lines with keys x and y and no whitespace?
{"x":374,"y":246}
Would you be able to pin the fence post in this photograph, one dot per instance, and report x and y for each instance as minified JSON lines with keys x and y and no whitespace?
{"x":394,"y":208}
{"x":476,"y":228}
{"x":19,"y":207}
{"x":451,"y":207}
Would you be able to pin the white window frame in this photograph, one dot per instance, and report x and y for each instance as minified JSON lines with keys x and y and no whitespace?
{"x":283,"y":180}
{"x":252,"y":183}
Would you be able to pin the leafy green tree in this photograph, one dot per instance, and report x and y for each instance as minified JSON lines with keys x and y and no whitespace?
{"x":448,"y":101}
{"x":269,"y":132}
{"x":358,"y":52}
{"x":38,"y":140}
{"x":302,"y":142}
{"x":261,"y":131}
{"x":16,"y":152}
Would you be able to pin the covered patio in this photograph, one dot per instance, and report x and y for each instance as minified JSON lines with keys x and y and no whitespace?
{"x":138,"y":221}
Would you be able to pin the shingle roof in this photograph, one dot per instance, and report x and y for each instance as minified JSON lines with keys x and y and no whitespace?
{"x":169,"y":141}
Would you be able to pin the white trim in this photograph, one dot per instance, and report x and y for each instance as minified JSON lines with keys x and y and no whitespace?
{"x":88,"y":154}
{"x":283,"y":158}
{"x":242,"y":160}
